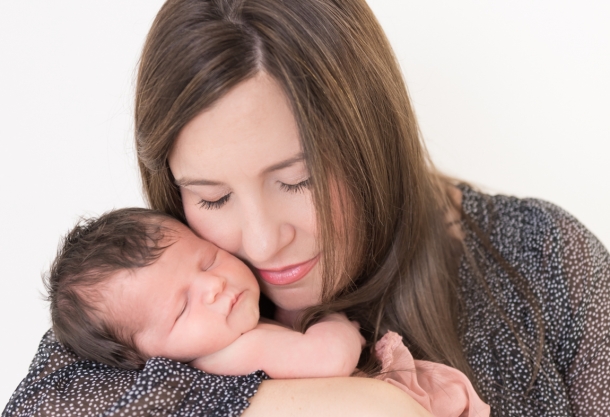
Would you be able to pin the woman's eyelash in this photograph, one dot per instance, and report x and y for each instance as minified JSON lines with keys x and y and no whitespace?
{"x":295,"y":188}
{"x":291,"y":188}
{"x":211,"y":205}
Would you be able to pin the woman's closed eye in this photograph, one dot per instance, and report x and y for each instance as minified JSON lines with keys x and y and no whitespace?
{"x":295,"y":188}
{"x":212,"y":205}
{"x":290,"y":188}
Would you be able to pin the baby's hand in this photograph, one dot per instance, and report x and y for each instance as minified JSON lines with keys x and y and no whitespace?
{"x":342,"y":339}
{"x":341,"y":318}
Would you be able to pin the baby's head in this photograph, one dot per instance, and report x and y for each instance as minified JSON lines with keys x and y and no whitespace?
{"x":135,"y":283}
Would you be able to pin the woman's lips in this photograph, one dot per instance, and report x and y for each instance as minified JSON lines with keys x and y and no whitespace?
{"x":288,"y":275}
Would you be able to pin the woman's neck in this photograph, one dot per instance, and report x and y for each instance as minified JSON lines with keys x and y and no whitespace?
{"x":286,"y":317}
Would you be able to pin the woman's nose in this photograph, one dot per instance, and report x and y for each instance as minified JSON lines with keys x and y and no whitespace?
{"x":264,"y":234}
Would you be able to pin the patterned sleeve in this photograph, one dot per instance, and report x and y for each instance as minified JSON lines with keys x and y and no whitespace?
{"x":567,"y":270}
{"x":59,"y":383}
{"x":584,"y":347}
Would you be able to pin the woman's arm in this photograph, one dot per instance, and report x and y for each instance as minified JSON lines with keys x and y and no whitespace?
{"x":321,"y":397}
{"x":583,"y":348}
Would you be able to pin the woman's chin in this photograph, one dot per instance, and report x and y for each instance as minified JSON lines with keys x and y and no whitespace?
{"x":292,"y":302}
{"x":288,"y":309}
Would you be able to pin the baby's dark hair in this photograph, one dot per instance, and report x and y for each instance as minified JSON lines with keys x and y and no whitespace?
{"x":89,"y":255}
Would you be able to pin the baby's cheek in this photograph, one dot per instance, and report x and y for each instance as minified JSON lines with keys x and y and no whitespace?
{"x":248,"y":316}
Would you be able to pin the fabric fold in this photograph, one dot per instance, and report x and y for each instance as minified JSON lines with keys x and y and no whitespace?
{"x":440,"y":389}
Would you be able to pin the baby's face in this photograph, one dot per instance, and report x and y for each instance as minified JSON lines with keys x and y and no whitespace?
{"x":194,"y":300}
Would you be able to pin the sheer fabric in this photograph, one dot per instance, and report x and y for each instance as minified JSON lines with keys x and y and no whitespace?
{"x":568,"y":272}
{"x":61,"y":384}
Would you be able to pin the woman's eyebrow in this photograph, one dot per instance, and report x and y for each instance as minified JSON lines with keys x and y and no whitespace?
{"x":285,"y":163}
{"x":185,"y":182}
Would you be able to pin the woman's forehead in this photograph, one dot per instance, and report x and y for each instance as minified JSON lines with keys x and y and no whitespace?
{"x":251,"y":130}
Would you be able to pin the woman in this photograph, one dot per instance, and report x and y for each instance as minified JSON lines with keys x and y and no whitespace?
{"x":282,"y":132}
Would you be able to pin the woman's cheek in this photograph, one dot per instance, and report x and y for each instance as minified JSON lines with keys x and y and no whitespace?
{"x":194,"y":222}
{"x":196,"y":217}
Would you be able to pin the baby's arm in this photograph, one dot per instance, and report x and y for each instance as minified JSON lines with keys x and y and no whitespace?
{"x":330,"y":347}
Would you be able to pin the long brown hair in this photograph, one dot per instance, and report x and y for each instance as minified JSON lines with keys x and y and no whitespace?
{"x":360,"y":138}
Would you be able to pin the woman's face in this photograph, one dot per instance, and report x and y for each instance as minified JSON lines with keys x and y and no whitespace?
{"x":245,"y":188}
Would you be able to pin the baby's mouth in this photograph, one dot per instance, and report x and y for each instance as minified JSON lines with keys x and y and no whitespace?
{"x":235,"y":299}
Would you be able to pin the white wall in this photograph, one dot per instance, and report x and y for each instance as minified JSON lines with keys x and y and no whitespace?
{"x":511,"y":95}
{"x":67,"y":71}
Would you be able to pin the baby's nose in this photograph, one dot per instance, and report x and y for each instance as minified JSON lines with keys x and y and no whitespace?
{"x":212,"y":287}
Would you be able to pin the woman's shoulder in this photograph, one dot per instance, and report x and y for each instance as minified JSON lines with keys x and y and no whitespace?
{"x":58,"y":378}
{"x":487,"y":209}
{"x":516,"y":224}
{"x":548,"y":246}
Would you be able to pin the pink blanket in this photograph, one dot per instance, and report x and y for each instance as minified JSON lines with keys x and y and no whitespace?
{"x":440,"y":389}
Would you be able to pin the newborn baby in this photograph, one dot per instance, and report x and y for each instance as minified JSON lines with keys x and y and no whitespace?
{"x":134,"y":284}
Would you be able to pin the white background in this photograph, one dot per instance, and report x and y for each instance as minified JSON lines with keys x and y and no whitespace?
{"x":512,"y":95}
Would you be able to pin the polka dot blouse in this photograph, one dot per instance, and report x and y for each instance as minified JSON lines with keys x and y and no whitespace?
{"x":61,"y":384}
{"x":567,"y":271}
